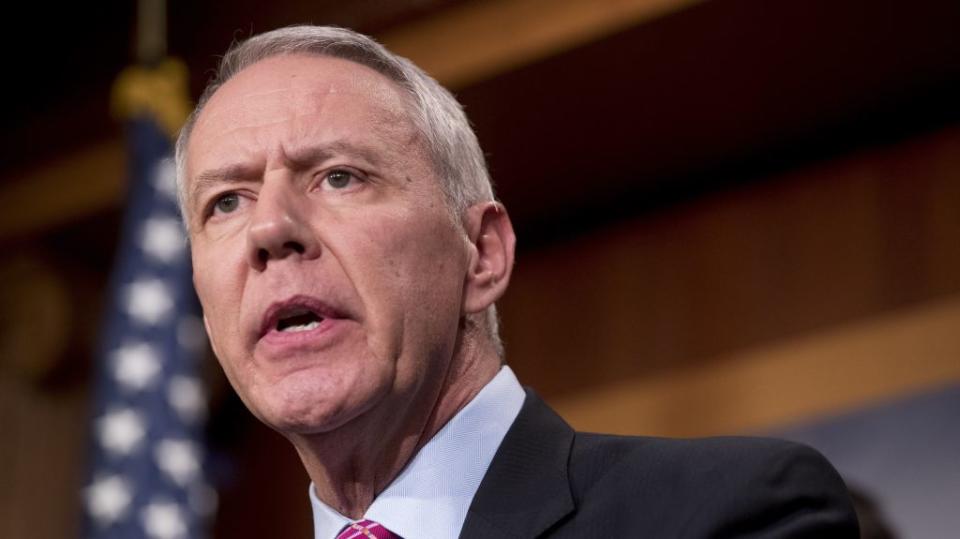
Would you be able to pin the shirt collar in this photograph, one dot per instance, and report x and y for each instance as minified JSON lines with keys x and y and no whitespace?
{"x":432,"y":494}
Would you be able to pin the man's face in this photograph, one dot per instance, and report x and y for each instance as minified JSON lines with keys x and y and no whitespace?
{"x":329,"y":268}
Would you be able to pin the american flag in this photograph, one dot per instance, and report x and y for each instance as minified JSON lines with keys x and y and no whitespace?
{"x":147,"y":458}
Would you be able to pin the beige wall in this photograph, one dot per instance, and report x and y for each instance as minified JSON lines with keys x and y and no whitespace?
{"x":827,"y":245}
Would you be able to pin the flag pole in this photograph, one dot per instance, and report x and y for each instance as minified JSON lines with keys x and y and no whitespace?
{"x":156,"y":86}
{"x":151,"y":31}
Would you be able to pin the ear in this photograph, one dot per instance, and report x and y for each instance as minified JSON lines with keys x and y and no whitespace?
{"x":492,"y":242}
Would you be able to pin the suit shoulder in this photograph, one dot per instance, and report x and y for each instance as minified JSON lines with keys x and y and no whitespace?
{"x":737,"y":484}
{"x":730,"y":457}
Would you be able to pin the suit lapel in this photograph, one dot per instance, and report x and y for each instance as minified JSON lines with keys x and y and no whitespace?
{"x":526,"y":489}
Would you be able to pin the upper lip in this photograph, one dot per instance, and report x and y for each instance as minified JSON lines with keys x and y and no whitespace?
{"x":295,"y":305}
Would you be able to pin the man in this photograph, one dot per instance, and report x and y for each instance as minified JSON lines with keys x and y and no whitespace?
{"x":348,"y":252}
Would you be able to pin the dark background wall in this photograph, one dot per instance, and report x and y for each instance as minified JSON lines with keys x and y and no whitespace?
{"x":732,"y":216}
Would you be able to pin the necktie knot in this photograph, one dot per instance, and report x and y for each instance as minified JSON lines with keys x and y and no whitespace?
{"x":366,"y":529}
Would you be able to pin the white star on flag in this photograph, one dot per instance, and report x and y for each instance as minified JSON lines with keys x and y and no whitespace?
{"x":165,"y":178}
{"x":163,"y":520}
{"x":179,"y":459}
{"x":136,"y":366}
{"x":188,"y":398}
{"x":163,"y":239}
{"x":149,"y":301}
{"x":146,"y":423}
{"x":121,"y":431}
{"x":108,"y":499}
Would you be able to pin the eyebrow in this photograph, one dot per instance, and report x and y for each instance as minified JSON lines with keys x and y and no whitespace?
{"x":298,"y":159}
{"x":228,"y":174}
{"x":308,"y":156}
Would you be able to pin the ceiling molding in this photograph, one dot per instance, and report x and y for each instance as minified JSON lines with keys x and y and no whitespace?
{"x":63,"y":191}
{"x":478,"y":40}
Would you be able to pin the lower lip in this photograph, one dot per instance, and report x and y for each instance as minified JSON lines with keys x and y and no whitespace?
{"x":280,"y":343}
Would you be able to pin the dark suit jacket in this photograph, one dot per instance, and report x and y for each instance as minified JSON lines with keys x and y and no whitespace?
{"x":548,"y":481}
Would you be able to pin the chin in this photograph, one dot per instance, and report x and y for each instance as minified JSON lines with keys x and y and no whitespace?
{"x":301,"y":407}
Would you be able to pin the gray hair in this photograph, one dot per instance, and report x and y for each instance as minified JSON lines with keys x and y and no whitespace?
{"x":450,"y":141}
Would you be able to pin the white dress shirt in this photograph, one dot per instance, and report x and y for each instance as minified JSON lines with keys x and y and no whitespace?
{"x":430,"y":497}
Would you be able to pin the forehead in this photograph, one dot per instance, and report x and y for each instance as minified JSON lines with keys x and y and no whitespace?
{"x":300,"y":94}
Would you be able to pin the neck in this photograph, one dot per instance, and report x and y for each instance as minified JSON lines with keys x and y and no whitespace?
{"x":351,"y":465}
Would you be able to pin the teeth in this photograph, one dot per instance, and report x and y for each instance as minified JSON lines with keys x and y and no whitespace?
{"x":299,"y":320}
{"x":301,"y":327}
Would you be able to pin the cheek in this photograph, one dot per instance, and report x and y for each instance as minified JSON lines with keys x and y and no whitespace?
{"x":425,"y":264}
{"x":415,"y":253}
{"x":218,"y":287}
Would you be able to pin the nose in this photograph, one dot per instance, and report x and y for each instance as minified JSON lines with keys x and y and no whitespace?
{"x":279,"y":227}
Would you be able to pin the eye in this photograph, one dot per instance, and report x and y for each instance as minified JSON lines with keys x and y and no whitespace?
{"x":226,"y":203}
{"x":339,"y":179}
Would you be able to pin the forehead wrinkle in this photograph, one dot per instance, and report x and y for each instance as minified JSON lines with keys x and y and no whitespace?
{"x":308,"y":105}
{"x":250,"y":113}
{"x":308,"y":73}
{"x":259,"y":109}
{"x":329,"y":133}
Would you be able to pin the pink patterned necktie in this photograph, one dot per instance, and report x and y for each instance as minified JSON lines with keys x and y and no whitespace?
{"x":366,"y":529}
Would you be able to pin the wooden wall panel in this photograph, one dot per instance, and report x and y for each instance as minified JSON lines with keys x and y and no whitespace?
{"x":823,"y":245}
{"x":43,"y":447}
{"x":832,"y":371}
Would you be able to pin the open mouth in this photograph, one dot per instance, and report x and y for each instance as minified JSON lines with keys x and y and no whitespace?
{"x":298,"y":314}
{"x":301,"y":320}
